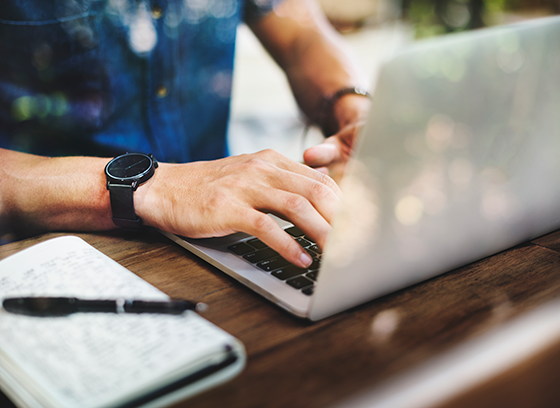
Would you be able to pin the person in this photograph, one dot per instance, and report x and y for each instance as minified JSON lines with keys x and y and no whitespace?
{"x":83,"y":80}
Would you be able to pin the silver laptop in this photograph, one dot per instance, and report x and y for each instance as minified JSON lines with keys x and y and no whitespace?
{"x":459,"y":159}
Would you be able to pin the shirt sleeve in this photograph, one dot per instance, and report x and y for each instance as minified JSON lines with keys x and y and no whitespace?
{"x":257,"y":9}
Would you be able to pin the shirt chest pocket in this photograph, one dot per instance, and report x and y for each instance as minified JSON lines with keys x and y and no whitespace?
{"x":48,"y":52}
{"x":54,"y":45}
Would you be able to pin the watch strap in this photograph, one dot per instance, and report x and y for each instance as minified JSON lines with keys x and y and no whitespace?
{"x":122,"y":205}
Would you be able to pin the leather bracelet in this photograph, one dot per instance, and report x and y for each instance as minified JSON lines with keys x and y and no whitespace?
{"x":327,"y":105}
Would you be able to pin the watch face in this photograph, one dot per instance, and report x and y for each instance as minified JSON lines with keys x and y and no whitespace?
{"x":129,"y":166}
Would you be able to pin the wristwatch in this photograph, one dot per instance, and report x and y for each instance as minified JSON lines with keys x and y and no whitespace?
{"x":124,"y":174}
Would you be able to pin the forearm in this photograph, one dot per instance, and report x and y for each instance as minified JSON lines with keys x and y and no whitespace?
{"x":199,"y":199}
{"x":313,"y":57}
{"x":40,"y":193}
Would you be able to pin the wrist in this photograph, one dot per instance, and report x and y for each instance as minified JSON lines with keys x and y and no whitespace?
{"x":350,"y":109}
{"x":82,"y":202}
{"x":149,"y":198}
{"x":344,"y":107}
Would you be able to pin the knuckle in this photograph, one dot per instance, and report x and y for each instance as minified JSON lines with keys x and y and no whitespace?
{"x":320,"y":191}
{"x":296,"y":203}
{"x":261,"y":222}
{"x":271,"y":156}
{"x":217,"y":200}
{"x":267,"y":153}
{"x":326,"y":180}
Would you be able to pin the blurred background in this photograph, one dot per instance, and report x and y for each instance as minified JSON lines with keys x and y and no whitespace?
{"x":264,"y":114}
{"x":435,"y":17}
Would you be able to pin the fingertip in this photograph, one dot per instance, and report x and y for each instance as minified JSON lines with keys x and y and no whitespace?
{"x":320,"y":155}
{"x":309,"y":156}
{"x":305,"y":260}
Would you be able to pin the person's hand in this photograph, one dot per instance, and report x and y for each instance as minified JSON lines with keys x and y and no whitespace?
{"x":331,"y":156}
{"x":217,"y":198}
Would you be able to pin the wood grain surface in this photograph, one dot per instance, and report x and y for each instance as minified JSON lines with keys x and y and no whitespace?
{"x":295,"y":363}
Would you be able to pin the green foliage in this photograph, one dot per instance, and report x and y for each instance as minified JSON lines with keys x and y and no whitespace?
{"x":434,"y":17}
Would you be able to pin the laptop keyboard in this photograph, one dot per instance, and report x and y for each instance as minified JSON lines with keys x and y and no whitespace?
{"x":269,"y":261}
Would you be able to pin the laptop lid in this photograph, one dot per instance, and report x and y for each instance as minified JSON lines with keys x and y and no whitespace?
{"x":459,"y":159}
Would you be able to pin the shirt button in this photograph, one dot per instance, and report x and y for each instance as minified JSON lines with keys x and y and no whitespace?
{"x":157,"y":12}
{"x":162,"y":91}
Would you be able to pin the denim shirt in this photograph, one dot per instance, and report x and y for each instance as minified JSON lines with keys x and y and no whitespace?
{"x":102,"y":77}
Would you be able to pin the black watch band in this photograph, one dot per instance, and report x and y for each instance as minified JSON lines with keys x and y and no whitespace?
{"x":122,"y":206}
{"x":124,"y":174}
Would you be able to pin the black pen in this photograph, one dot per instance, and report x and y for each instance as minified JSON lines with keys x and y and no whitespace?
{"x":62,"y":306}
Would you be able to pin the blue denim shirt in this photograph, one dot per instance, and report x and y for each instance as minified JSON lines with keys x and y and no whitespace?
{"x":101,"y":77}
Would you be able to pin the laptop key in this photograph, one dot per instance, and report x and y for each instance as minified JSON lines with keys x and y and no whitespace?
{"x":288,"y":272}
{"x":316,"y":248}
{"x":312,"y":275}
{"x":315,"y":264}
{"x":312,"y":253}
{"x":294,"y":232}
{"x":300,"y":282}
{"x":241,"y":249}
{"x":259,"y":256}
{"x":257,"y":243}
{"x":308,"y":290}
{"x":272,"y":264}
{"x":303,"y":242}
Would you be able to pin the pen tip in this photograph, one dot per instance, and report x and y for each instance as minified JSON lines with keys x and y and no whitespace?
{"x":201,"y":307}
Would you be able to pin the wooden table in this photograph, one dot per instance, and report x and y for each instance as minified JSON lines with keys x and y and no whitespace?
{"x":295,"y":363}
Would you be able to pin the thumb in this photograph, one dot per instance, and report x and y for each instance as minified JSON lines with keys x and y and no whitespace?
{"x":322,"y":155}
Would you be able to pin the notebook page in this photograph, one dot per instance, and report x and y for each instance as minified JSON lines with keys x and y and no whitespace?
{"x":89,"y":359}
